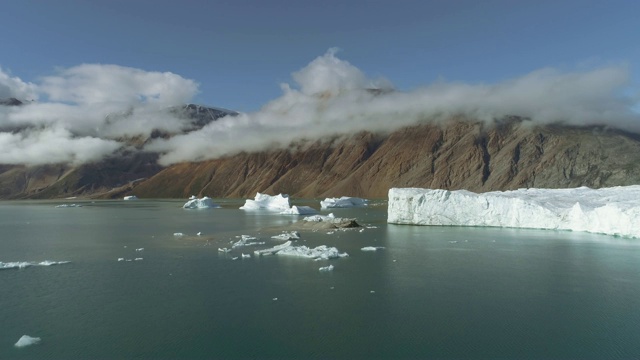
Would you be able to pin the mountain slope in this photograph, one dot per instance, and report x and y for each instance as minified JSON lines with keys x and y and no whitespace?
{"x":457,"y":155}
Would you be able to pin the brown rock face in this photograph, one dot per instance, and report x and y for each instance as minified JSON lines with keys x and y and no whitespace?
{"x":458,"y":155}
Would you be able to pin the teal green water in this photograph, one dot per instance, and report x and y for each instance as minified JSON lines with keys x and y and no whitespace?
{"x":432,"y":292}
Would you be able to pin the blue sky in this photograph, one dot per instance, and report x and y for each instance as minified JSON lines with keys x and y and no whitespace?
{"x":240,"y":51}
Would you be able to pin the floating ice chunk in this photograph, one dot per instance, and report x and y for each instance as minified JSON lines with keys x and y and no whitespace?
{"x":223,"y":250}
{"x":278,"y":203}
{"x":613,"y":211}
{"x":68,"y":206}
{"x":178,"y":234}
{"x":326,"y":268}
{"x":137,"y":259}
{"x":245,"y":240}
{"x":343,"y":202}
{"x":320,"y":218}
{"x":234,"y":258}
{"x":204,"y":203}
{"x":291,"y":235}
{"x":131,"y":197}
{"x":25,"y":264}
{"x":299,"y":210}
{"x":199,"y":233}
{"x":246,"y":256}
{"x":140,"y":249}
{"x":372,"y":248}
{"x":120,"y":259}
{"x":192,"y":197}
{"x":275,"y":299}
{"x":272,"y":250}
{"x":27,"y":340}
{"x":321,"y":252}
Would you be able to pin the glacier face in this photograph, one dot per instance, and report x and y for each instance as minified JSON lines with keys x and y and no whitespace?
{"x":613,"y":211}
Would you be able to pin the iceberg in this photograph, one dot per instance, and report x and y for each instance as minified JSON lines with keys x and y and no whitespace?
{"x":27,"y":340}
{"x":131,"y":197}
{"x":278,"y":203}
{"x":612,"y":211}
{"x":204,"y":203}
{"x":342,"y":202}
{"x":299,"y":210}
{"x":321,"y":252}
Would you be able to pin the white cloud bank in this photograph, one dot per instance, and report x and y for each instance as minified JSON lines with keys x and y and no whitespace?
{"x":330,"y":97}
{"x":88,"y":106}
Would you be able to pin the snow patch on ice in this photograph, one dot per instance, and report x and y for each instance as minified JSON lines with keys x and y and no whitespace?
{"x":613,"y":211}
{"x":204,"y":203}
{"x":27,"y":340}
{"x":343,"y":202}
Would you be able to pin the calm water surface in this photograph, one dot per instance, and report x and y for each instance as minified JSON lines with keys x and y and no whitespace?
{"x":432,"y":292}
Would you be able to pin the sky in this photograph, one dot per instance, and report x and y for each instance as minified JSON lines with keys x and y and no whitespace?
{"x":577,"y":61}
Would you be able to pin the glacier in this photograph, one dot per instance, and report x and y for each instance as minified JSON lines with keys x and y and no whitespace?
{"x":611,"y":211}
{"x":342,"y":202}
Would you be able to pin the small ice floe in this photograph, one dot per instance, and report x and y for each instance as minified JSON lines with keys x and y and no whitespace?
{"x":275,"y":299}
{"x":330,"y":232}
{"x":131,"y":197}
{"x":343,"y":202}
{"x":27,"y":340}
{"x":68,"y":206}
{"x":223,"y":250}
{"x":199,"y":233}
{"x":140,"y":249}
{"x":299,"y":210}
{"x":246,"y":256}
{"x":321,"y":252}
{"x":120,"y":259}
{"x":245,"y":240}
{"x":325,"y":268}
{"x":137,"y":259}
{"x":330,"y":221}
{"x":204,"y":203}
{"x":372,"y":248}
{"x":287,"y":235}
{"x":178,"y":234}
{"x":25,"y":264}
{"x":278,"y":203}
{"x":372,"y":292}
{"x":361,"y":230}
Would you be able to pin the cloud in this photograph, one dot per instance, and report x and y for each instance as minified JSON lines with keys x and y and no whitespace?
{"x":331,"y":97}
{"x":87,"y":108}
{"x":52,"y":145}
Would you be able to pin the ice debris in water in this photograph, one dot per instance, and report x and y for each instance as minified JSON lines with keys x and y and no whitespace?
{"x":224,"y":250}
{"x":319,"y":218}
{"x":192,"y":197}
{"x":326,"y":268}
{"x":131,"y":197}
{"x":120,"y":259}
{"x":68,"y":206}
{"x":613,"y":211}
{"x":245,"y":240}
{"x":290,"y":235}
{"x":321,"y":252}
{"x":178,"y":234}
{"x":140,"y":249}
{"x":27,"y":340}
{"x":372,"y":248}
{"x":24,"y":264}
{"x":246,"y":256}
{"x":204,"y":203}
{"x":299,"y":210}
{"x":342,"y":202}
{"x":137,"y":259}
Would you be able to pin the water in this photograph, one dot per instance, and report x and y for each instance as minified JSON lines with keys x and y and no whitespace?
{"x":432,"y":292}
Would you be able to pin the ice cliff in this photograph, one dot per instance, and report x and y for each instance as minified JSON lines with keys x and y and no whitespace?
{"x":613,"y":211}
